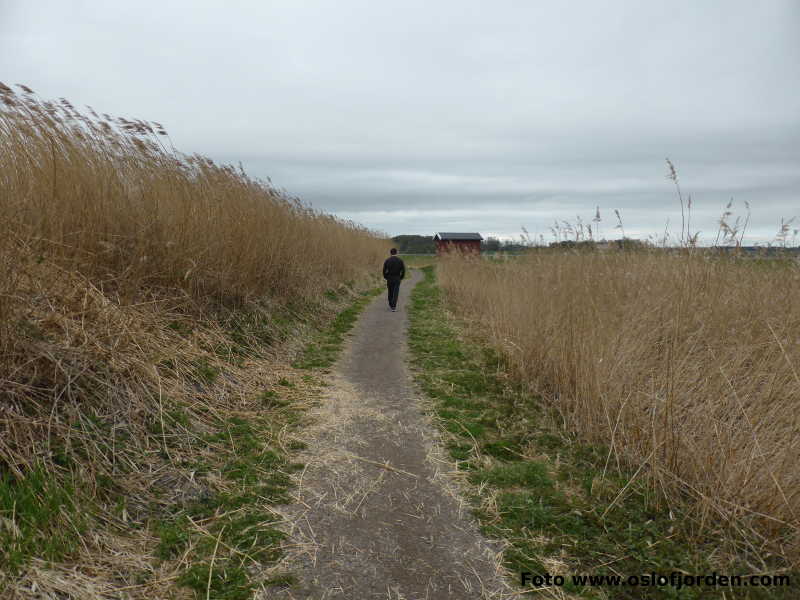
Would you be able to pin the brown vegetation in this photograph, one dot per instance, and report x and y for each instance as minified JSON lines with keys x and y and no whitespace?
{"x":683,"y":364}
{"x":143,"y":294}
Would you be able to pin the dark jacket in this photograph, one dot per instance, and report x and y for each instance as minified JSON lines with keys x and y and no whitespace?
{"x":393,"y":268}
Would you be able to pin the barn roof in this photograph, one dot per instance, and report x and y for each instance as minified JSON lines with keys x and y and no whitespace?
{"x":445,"y":236}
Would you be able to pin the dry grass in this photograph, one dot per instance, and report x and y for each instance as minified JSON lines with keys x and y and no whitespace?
{"x":683,"y":363}
{"x":144,"y":298}
{"x":103,"y":198}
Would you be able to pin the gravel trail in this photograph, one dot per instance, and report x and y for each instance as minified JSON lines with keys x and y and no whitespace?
{"x":377,"y":516}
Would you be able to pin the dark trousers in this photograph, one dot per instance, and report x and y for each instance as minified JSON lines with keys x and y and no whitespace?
{"x":393,"y":285}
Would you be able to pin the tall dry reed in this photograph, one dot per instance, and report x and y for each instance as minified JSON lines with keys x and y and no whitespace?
{"x":106,"y":236}
{"x":102,"y":197}
{"x":681,"y":361}
{"x":96,"y":207}
{"x":138,"y":283}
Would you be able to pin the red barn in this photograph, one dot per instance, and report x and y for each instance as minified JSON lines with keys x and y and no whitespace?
{"x":462,"y":242}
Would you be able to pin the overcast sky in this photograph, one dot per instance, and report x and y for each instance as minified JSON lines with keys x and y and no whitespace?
{"x":423,"y":116}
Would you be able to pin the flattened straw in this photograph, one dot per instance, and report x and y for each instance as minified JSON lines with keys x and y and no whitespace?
{"x":211,"y":566}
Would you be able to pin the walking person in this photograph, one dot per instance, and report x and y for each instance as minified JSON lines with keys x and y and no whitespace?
{"x":393,"y":272}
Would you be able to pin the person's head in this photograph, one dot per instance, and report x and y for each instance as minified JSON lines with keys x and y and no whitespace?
{"x":393,"y":251}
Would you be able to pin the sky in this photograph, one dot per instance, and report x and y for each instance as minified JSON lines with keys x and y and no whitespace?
{"x":453,"y":115}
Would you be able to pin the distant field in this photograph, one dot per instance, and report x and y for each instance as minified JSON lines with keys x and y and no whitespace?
{"x":418,"y":260}
{"x":685,"y":365}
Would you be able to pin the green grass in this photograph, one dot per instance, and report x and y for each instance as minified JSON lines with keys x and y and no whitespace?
{"x":226,"y":582}
{"x":32,"y":514}
{"x":204,"y":372}
{"x":323,"y":351}
{"x":551,"y":500}
{"x":418,"y":261}
{"x":235,"y":511}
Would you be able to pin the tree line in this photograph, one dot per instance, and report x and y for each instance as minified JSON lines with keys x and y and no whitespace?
{"x":424,"y":244}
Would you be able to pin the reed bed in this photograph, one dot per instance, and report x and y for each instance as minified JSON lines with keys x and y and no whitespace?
{"x":104,"y":197}
{"x":146,"y":297}
{"x":98,"y":218}
{"x":684,"y":364}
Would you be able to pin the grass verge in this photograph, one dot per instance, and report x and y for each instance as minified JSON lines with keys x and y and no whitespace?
{"x":224,"y":537}
{"x":561,"y":505}
{"x":232,"y":533}
{"x":322,"y":352}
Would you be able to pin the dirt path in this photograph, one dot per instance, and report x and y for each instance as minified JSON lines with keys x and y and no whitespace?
{"x":376,"y":514}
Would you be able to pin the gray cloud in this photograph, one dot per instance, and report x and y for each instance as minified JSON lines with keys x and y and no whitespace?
{"x":418,"y":116}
